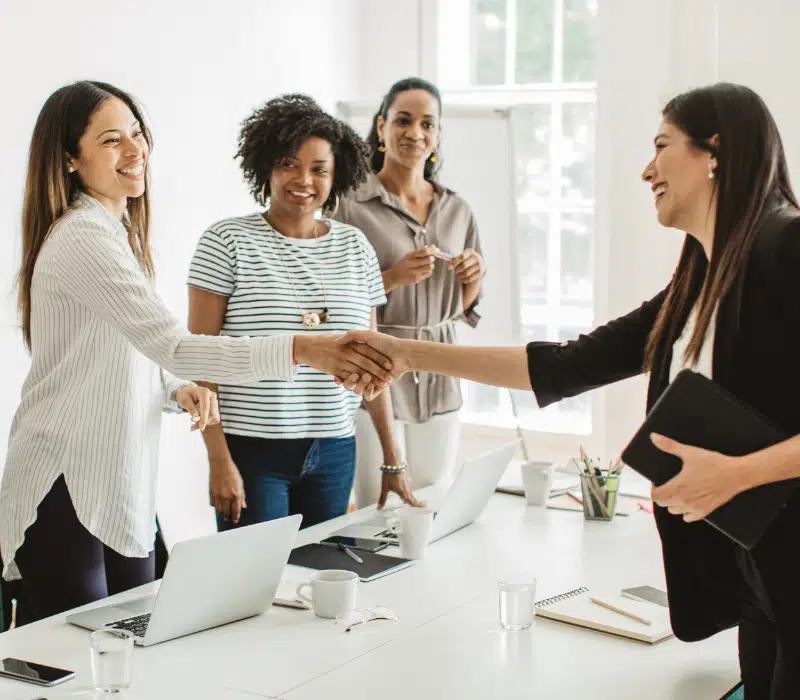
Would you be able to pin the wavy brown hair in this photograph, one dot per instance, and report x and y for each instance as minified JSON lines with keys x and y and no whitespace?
{"x":50,"y":188}
{"x":751,"y":176}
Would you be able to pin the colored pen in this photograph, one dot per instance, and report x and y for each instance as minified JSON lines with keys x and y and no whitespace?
{"x":357,"y":559}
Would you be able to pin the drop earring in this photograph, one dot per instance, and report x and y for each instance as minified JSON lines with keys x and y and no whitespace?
{"x":381,"y":147}
{"x":263,"y":195}
{"x":710,"y":171}
{"x":433,"y":157}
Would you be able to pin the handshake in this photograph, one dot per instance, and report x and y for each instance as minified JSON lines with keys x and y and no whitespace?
{"x":366,"y":362}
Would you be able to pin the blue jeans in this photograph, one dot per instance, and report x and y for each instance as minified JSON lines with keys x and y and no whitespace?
{"x":310,"y":476}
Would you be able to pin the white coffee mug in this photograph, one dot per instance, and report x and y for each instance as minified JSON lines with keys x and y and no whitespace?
{"x":537,"y":480}
{"x":413,"y":527}
{"x":333,"y":592}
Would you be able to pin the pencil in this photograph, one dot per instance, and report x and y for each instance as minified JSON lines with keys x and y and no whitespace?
{"x":620,"y":611}
{"x":574,"y":497}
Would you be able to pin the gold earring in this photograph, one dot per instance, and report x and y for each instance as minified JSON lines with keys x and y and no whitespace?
{"x":381,"y":147}
{"x":263,"y":195}
{"x":433,"y":157}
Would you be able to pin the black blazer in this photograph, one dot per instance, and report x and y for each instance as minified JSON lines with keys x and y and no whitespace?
{"x":756,"y":342}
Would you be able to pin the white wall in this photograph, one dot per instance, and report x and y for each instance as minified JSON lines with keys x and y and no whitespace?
{"x":199,"y":67}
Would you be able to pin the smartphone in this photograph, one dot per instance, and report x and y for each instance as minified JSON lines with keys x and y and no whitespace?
{"x":362,"y":543}
{"x":646,"y":594}
{"x":33,"y":672}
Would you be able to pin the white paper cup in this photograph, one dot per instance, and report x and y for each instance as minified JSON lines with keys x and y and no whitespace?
{"x":537,"y":480}
{"x":415,"y":526}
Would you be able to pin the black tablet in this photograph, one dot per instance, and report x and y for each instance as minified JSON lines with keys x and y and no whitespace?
{"x":696,"y":411}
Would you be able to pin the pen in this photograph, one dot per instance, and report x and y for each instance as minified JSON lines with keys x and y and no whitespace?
{"x":357,"y":559}
{"x":620,"y":611}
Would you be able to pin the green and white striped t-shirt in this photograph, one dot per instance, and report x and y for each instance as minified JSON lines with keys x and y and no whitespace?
{"x":249,"y":262}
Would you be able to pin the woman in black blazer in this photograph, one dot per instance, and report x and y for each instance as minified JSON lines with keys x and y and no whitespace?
{"x":731,"y":311}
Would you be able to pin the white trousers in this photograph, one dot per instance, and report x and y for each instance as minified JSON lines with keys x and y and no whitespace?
{"x":431,"y":450}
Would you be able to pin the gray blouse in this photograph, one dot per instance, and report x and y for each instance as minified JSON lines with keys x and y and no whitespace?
{"x":429,"y":309}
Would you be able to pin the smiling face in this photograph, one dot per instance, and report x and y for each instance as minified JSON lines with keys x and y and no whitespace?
{"x":410,"y":132}
{"x":301,"y":184}
{"x":112,"y":158}
{"x":678,"y":176}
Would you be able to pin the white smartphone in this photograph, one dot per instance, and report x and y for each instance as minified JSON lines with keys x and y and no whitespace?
{"x":646,"y":594}
{"x":33,"y":672}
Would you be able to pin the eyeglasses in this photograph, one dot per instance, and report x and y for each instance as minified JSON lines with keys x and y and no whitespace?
{"x":360,"y":616}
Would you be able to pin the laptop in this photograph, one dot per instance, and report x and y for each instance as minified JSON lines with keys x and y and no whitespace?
{"x":209,"y":581}
{"x":464,"y":502}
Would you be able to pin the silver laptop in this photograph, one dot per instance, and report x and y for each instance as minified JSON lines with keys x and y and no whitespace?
{"x":208,"y":582}
{"x":464,"y":502}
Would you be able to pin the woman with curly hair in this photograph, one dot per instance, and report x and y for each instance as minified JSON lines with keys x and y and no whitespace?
{"x":426,"y":240}
{"x":286,"y":447}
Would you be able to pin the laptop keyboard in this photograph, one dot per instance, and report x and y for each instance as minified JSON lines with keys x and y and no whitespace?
{"x":137,"y":625}
{"x":388,"y":535}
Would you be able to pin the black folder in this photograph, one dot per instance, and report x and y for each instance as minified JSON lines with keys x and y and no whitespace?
{"x":695,"y":411}
{"x":323,"y":556}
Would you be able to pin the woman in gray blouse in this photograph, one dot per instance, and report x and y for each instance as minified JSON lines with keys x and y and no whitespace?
{"x":427,"y":244}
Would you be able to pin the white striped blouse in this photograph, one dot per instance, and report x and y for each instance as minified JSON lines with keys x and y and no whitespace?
{"x":103,"y":345}
{"x":268,"y":279}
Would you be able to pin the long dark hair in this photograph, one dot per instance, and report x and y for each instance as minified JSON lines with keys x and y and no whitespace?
{"x":751,"y":175}
{"x":373,"y":141}
{"x":50,"y":188}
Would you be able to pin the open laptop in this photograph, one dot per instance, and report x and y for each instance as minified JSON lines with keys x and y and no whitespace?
{"x":464,"y":502}
{"x":209,"y":581}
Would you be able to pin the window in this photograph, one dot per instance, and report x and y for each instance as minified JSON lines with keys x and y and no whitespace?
{"x":539,"y":57}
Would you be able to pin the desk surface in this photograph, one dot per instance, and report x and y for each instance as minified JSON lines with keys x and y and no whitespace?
{"x":447,"y":641}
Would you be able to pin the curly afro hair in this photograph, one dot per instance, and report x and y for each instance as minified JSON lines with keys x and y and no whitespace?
{"x":279,"y":129}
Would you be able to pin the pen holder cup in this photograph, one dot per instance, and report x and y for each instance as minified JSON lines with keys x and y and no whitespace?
{"x":599,"y":496}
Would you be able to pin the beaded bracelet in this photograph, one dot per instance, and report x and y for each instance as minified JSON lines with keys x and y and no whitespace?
{"x":394,"y":469}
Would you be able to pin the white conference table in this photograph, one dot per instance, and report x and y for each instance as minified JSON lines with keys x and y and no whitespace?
{"x":447,"y":642}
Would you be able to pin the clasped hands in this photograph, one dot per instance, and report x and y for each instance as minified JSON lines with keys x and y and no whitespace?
{"x":366,"y":362}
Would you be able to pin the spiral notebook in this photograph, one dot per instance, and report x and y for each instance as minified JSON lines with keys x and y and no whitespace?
{"x":576,"y":608}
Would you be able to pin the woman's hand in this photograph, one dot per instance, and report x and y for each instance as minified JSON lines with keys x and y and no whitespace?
{"x":399,"y":484}
{"x":413,"y":268}
{"x":706,"y":481}
{"x":368,"y":342}
{"x":363,"y":371}
{"x":226,"y":489}
{"x":200,"y":403}
{"x":469,"y":266}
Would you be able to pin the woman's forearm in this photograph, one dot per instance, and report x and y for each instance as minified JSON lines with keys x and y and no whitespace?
{"x":470,"y":294}
{"x":380,"y":411}
{"x":776,"y":463}
{"x":498,"y":366}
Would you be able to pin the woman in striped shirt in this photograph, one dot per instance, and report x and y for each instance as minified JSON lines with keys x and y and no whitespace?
{"x":77,"y":502}
{"x":289,"y":447}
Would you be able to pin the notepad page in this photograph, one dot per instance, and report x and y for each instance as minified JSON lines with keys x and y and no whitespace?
{"x":579,"y":610}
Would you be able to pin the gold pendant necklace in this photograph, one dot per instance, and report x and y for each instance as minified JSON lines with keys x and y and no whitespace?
{"x":310,"y":319}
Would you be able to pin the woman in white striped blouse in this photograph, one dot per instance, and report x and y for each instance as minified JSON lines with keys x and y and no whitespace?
{"x":290,"y":447}
{"x":77,"y":502}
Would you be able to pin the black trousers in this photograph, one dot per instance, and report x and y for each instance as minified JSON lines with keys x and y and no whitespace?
{"x":63,"y":565}
{"x":769,"y":640}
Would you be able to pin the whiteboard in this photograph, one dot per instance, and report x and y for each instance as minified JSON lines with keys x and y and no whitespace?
{"x":478,"y":163}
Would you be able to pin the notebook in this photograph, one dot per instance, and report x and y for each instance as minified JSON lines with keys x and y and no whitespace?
{"x":576,"y":608}
{"x":696,"y":411}
{"x":323,"y":556}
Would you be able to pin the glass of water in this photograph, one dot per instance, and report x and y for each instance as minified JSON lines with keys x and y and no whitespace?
{"x":111,"y":660}
{"x":517,"y":599}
